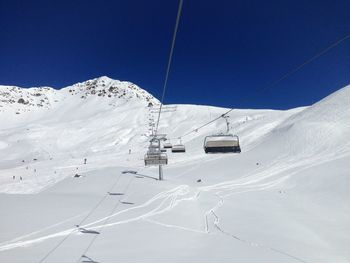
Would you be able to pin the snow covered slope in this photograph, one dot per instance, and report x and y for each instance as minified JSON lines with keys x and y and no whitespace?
{"x":283,"y":199}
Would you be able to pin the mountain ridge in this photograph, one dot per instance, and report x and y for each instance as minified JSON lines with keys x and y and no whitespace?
{"x":21,"y":100}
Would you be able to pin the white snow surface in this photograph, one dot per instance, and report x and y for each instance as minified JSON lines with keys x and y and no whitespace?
{"x":285,"y":198}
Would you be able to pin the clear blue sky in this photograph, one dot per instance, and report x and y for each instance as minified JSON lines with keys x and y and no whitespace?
{"x":226,"y":50}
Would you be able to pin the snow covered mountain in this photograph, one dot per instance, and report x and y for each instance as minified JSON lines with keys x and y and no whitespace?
{"x":46,"y":96}
{"x":283,"y":199}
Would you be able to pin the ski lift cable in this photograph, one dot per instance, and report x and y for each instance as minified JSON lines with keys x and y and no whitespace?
{"x":277,"y":81}
{"x":105,"y":221}
{"x":206,"y":124}
{"x":169,"y":62}
{"x":81,"y":221}
{"x":202,"y":126}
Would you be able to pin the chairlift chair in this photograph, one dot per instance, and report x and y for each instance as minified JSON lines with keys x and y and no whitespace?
{"x":154,"y":145}
{"x":178,"y":148}
{"x":222,"y":143}
{"x":167,"y":145}
{"x":154,"y":155}
{"x":155,"y":158}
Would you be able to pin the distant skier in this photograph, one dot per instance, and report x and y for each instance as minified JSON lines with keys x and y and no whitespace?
{"x":20,"y":178}
{"x":13,"y":177}
{"x":129,"y":151}
{"x":85,"y":160}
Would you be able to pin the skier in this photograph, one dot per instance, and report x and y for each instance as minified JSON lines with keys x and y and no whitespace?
{"x":13,"y":177}
{"x":85,"y":160}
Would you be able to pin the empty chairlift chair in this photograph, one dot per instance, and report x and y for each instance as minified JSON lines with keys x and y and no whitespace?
{"x":222,"y":143}
{"x":167,"y":145}
{"x":154,"y":155}
{"x":178,"y":148}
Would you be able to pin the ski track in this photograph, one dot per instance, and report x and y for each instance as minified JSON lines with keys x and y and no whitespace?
{"x":250,"y":243}
{"x":40,"y":231}
{"x":168,"y":200}
{"x":166,"y":196}
{"x":175,"y":226}
{"x":171,"y":198}
{"x":277,"y":168}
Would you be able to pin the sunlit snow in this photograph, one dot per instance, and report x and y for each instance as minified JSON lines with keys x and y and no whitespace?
{"x":285,"y":198}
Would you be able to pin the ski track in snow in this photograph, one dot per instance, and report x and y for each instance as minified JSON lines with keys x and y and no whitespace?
{"x":175,"y":226}
{"x":39,"y":231}
{"x":240,"y":185}
{"x":164,"y":197}
{"x":216,"y":222}
{"x":167,"y":201}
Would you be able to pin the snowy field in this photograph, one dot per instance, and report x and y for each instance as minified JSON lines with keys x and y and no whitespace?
{"x":285,"y":198}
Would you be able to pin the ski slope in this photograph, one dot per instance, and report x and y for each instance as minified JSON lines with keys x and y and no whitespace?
{"x":283,"y":199}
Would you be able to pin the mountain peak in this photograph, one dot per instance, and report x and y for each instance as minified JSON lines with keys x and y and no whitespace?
{"x":108,"y":90}
{"x":105,"y":78}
